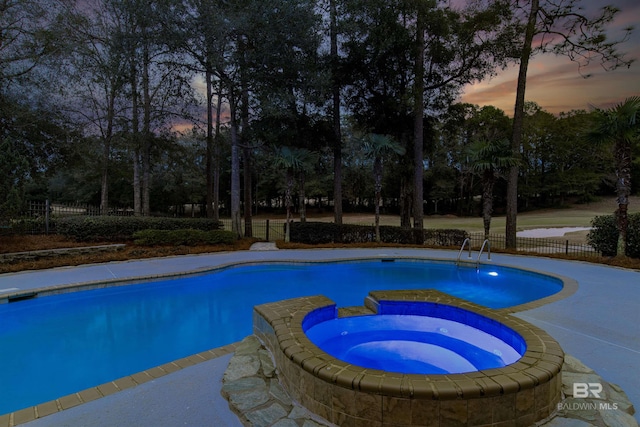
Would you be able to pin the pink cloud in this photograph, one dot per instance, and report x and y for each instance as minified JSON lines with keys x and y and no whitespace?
{"x":556,"y":84}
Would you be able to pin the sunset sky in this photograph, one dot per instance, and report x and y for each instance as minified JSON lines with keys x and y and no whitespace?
{"x":556,"y":83}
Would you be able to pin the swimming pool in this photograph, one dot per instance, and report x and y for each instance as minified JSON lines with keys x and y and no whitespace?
{"x":56,"y":345}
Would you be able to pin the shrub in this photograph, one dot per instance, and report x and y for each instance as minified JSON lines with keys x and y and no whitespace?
{"x":314,"y":233}
{"x":444,"y":237}
{"x":115,"y":228}
{"x":603,"y":237}
{"x":633,"y":236}
{"x":389,"y":234}
{"x":187,"y":237}
{"x":28,"y":226}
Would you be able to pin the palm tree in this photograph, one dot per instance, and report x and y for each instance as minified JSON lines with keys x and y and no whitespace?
{"x":619,"y":126}
{"x":292,"y":160}
{"x":379,"y":146}
{"x":491,"y":159}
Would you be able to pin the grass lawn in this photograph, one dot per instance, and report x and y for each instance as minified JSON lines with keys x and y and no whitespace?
{"x":576,"y":215}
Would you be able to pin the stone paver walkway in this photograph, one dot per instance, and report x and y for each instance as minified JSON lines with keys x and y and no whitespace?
{"x":263,"y":246}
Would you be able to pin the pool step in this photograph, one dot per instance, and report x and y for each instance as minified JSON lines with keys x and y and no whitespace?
{"x":354,"y":311}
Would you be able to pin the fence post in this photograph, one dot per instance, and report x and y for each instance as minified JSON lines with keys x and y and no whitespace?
{"x":46,"y":216}
{"x":267,"y":232}
{"x":566,"y":248}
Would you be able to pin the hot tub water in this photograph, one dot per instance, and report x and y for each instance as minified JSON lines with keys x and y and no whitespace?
{"x":411,"y":344}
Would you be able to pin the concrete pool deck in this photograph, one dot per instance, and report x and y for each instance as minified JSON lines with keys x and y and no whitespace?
{"x":598,"y":324}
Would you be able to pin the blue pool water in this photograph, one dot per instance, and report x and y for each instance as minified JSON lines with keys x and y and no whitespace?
{"x":56,"y":345}
{"x":448,"y":341}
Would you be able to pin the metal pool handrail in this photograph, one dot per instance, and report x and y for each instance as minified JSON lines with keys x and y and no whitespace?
{"x":488,"y":244}
{"x":466,"y":241}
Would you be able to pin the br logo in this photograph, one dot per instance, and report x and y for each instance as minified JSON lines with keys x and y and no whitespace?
{"x":585,"y":390}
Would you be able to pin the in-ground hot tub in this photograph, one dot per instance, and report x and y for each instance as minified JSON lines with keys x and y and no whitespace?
{"x":525,"y":388}
{"x":440,"y":340}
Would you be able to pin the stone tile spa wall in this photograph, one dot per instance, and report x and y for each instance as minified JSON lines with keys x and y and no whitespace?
{"x":347,"y":395}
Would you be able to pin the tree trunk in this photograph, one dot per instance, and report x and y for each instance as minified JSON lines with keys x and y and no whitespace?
{"x":301,"y":198}
{"x":377,"y":172}
{"x":210,"y":142}
{"x":418,"y":134}
{"x":236,"y":222}
{"x":244,"y":117}
{"x":405,"y":203}
{"x":216,"y":172}
{"x":146,"y":132}
{"x":137,"y":206}
{"x":488,"y":183}
{"x":106,"y":154}
{"x":337,"y":132}
{"x":516,"y":136}
{"x":623,"y":190}
{"x":288,"y":202}
{"x":248,"y":198}
{"x":337,"y":182}
{"x":104,"y":184}
{"x":135,"y":134}
{"x":146,"y":176}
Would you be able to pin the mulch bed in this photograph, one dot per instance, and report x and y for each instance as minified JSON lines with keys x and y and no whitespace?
{"x":11,"y":244}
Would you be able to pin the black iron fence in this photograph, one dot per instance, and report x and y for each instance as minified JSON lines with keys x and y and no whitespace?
{"x":536,"y":245}
{"x":269,"y":230}
{"x":39,"y":218}
{"x":42,"y":209}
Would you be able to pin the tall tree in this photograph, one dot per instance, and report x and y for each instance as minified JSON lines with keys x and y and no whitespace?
{"x":96,"y":74}
{"x":31,"y":131}
{"x":577,"y":166}
{"x":418,"y":127}
{"x":378,"y":50}
{"x":490,"y":159}
{"x":202,"y":32}
{"x":620,"y":126}
{"x":14,"y":169}
{"x":158,"y":86}
{"x":335,"y":111}
{"x":264,"y":70}
{"x":412,"y":57}
{"x":293,"y":161}
{"x":380,"y":148}
{"x":562,"y":28}
{"x":537,"y":147}
{"x":462,"y":45}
